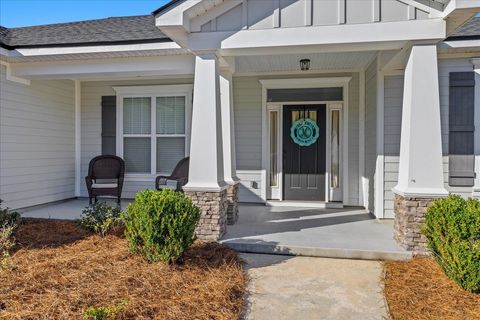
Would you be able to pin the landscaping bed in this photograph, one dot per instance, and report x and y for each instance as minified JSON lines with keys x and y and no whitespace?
{"x":60,"y":270}
{"x":419,"y":289}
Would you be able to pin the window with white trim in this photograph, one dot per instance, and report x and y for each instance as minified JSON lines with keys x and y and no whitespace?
{"x":153,"y":127}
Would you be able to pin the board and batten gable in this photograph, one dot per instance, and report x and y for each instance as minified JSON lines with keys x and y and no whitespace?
{"x":393,"y":121}
{"x":247,"y":96}
{"x":254,"y":14}
{"x":91,"y":126}
{"x":37,"y":141}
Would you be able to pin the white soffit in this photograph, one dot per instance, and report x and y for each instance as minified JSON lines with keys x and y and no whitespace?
{"x":318,"y":61}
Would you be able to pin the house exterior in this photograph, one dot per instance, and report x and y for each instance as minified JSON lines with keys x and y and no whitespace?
{"x":323,"y":103}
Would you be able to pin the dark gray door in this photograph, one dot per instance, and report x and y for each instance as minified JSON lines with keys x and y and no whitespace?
{"x":304,"y":147}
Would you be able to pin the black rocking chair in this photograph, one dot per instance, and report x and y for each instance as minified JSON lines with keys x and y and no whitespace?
{"x":179,"y":174}
{"x":105,"y":177}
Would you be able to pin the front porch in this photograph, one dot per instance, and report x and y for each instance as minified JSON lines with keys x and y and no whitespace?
{"x":337,"y":233}
{"x":351,"y":232}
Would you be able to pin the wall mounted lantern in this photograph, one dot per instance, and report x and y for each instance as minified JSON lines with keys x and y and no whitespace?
{"x":305,"y":64}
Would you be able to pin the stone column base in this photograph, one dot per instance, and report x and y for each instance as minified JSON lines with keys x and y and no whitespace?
{"x":213,"y":218}
{"x":409,"y":218}
{"x":232,"y":203}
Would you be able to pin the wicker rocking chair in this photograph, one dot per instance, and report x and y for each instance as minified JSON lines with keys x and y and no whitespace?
{"x":179,"y":174}
{"x":105,"y":177}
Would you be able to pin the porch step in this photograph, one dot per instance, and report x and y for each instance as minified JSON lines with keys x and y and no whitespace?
{"x":265,"y":248}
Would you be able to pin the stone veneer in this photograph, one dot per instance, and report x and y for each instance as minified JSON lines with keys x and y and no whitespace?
{"x":409,"y":218}
{"x":232,"y":203}
{"x":213,"y":218}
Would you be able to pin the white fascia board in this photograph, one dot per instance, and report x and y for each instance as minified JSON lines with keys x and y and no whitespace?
{"x":177,"y":15}
{"x":119,"y":67}
{"x":460,"y":44}
{"x":28,"y":52}
{"x":460,"y":4}
{"x":354,"y":34}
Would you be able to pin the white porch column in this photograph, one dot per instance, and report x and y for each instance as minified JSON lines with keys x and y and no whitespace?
{"x":476,"y":187}
{"x":421,"y":169}
{"x":206,"y":150}
{"x":421,"y":166}
{"x":206,"y":186}
{"x":228,"y":130}
{"x":228,"y":135}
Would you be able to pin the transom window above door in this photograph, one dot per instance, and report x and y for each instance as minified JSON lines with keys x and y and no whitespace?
{"x":153,"y":127}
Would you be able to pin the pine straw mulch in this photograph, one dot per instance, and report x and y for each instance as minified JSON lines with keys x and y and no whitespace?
{"x":418,"y":289}
{"x":61,"y":270}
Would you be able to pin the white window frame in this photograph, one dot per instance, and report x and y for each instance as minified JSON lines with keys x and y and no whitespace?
{"x":152,"y":92}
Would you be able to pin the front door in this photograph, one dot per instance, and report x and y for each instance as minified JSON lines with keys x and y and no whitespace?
{"x":304,"y":147}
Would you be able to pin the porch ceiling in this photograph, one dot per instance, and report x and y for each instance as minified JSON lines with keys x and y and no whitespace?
{"x":290,"y":62}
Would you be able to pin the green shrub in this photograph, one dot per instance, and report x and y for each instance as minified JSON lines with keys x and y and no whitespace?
{"x":105,"y":313}
{"x":6,"y":244}
{"x":8,"y":217}
{"x":452,"y":227}
{"x":160,"y":225}
{"x":100,"y":218}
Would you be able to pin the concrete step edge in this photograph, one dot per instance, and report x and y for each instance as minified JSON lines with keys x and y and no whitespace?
{"x":340,"y":253}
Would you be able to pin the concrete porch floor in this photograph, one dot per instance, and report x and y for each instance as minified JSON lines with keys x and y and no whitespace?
{"x":336,"y":233}
{"x":66,"y":210}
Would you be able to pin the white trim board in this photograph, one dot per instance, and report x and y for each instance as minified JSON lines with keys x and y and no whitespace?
{"x":78,"y":137}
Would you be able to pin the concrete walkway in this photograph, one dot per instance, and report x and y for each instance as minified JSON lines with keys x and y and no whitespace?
{"x":283,"y":287}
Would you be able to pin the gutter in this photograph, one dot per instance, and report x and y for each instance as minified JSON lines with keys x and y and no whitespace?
{"x":86,"y":44}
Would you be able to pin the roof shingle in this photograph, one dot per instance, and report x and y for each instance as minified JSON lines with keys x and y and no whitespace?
{"x":469,"y":29}
{"x":104,"y":31}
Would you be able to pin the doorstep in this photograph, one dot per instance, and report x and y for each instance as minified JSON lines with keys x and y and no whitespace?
{"x":305,"y":204}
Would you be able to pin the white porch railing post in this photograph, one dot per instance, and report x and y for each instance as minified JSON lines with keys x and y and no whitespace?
{"x":421,"y":166}
{"x":206,"y":186}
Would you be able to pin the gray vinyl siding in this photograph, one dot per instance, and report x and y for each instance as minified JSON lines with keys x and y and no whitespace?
{"x":247,"y":104}
{"x":247,"y":95}
{"x":370,"y":132}
{"x":393,"y":119}
{"x":37,"y":141}
{"x":91,"y":124}
{"x":392,"y":127}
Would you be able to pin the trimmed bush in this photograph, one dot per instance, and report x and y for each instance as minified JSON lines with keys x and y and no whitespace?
{"x":160,"y":225}
{"x":105,"y":313}
{"x":452,"y":227}
{"x":8,"y":217}
{"x":7,"y":242}
{"x":100,"y":218}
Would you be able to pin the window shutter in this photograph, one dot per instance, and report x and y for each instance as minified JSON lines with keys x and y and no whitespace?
{"x":461,"y":129}
{"x":109,"y":124}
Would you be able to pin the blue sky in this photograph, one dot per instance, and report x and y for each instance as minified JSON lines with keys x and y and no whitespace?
{"x":21,"y":13}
